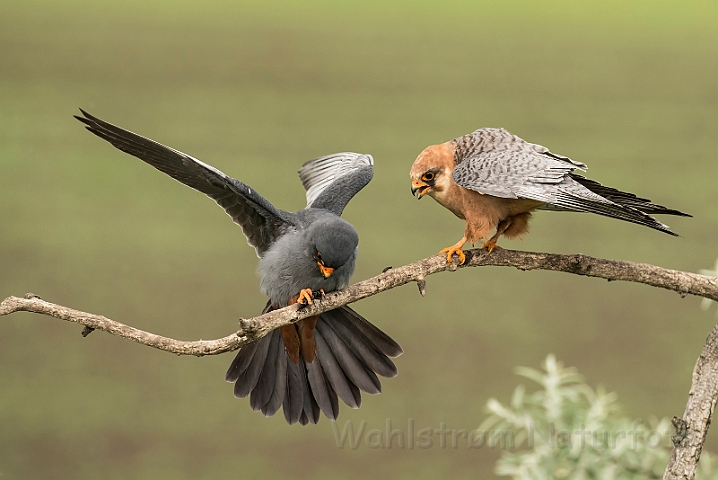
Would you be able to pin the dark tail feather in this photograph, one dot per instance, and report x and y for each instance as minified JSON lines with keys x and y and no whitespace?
{"x":321,"y":390}
{"x":268,"y":378}
{"x":294,"y":396}
{"x":381,"y":340}
{"x":350,"y":353}
{"x":334,"y":373}
{"x":310,"y":412}
{"x":280,"y":385}
{"x":244,"y":357}
{"x":626,"y":199}
{"x":364,"y":349}
{"x":303,"y":420}
{"x":241,"y":362}
{"x":248,"y":379}
{"x":356,"y":372}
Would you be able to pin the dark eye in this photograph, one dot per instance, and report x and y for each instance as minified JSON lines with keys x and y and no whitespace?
{"x":428,"y":176}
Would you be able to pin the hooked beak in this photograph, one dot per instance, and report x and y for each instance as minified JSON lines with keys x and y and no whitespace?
{"x":419,"y":188}
{"x":326,"y":271}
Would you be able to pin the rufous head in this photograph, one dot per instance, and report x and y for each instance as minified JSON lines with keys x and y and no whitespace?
{"x":431,"y":172}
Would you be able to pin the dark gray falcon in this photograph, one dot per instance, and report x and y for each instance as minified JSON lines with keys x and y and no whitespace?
{"x":307,"y":366}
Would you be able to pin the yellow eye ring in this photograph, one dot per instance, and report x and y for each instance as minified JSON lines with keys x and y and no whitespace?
{"x":428,"y":176}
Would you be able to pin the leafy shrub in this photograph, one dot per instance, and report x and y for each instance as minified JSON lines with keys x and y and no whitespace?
{"x":568,"y":430}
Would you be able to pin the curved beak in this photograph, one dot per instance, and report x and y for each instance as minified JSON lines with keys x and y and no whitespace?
{"x":419,"y":188}
{"x":326,"y":271}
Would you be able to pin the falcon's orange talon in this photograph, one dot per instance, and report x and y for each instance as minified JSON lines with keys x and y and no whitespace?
{"x":455,"y":249}
{"x":305,"y":296}
{"x":490,"y":246}
{"x":450,"y":251}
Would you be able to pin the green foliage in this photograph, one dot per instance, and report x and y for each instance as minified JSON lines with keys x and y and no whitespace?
{"x":566,"y":429}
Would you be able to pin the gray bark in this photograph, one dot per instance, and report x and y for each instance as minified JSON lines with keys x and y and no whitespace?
{"x":691,"y":430}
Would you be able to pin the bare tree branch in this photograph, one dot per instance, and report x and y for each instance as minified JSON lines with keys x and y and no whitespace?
{"x":254,"y":328}
{"x":691,"y":430}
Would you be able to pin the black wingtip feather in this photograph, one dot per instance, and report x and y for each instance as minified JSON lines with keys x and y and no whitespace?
{"x":611,"y":209}
{"x":626,"y":199}
{"x":87,"y":118}
{"x":261,"y":222}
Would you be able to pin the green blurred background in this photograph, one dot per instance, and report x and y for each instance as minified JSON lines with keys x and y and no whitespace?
{"x":256,"y":88}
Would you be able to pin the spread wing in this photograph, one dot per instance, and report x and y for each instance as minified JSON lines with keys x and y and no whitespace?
{"x":261,"y":222}
{"x":333,"y":180}
{"x":494,"y":162}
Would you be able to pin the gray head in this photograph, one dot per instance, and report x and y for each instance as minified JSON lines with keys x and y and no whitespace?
{"x":333,"y":242}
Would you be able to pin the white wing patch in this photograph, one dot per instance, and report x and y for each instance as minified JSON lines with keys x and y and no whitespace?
{"x":318,"y":174}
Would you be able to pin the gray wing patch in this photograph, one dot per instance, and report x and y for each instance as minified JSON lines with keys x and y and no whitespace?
{"x":500,"y":164}
{"x":260,"y":221}
{"x":333,"y":180}
{"x":506,"y":166}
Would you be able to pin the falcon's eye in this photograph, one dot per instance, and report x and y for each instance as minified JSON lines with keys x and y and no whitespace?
{"x":428,"y":176}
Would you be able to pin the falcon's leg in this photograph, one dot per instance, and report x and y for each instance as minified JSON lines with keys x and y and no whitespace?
{"x":299,"y":337}
{"x":500,"y":229}
{"x":306,"y":337}
{"x":291,"y":341}
{"x":455,"y":249}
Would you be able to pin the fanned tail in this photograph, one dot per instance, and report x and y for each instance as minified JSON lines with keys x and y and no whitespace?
{"x":350,"y":355}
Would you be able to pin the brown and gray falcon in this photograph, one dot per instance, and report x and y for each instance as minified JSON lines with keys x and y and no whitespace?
{"x":305,"y":367}
{"x":494,"y":180}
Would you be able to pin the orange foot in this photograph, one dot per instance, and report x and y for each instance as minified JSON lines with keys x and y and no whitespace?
{"x":305,"y":296}
{"x":455,"y":249}
{"x":490,"y":245}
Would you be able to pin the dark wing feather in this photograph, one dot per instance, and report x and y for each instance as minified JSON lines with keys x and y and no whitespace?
{"x":625,"y":198}
{"x":261,"y":222}
{"x":495,"y":162}
{"x":333,"y":180}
